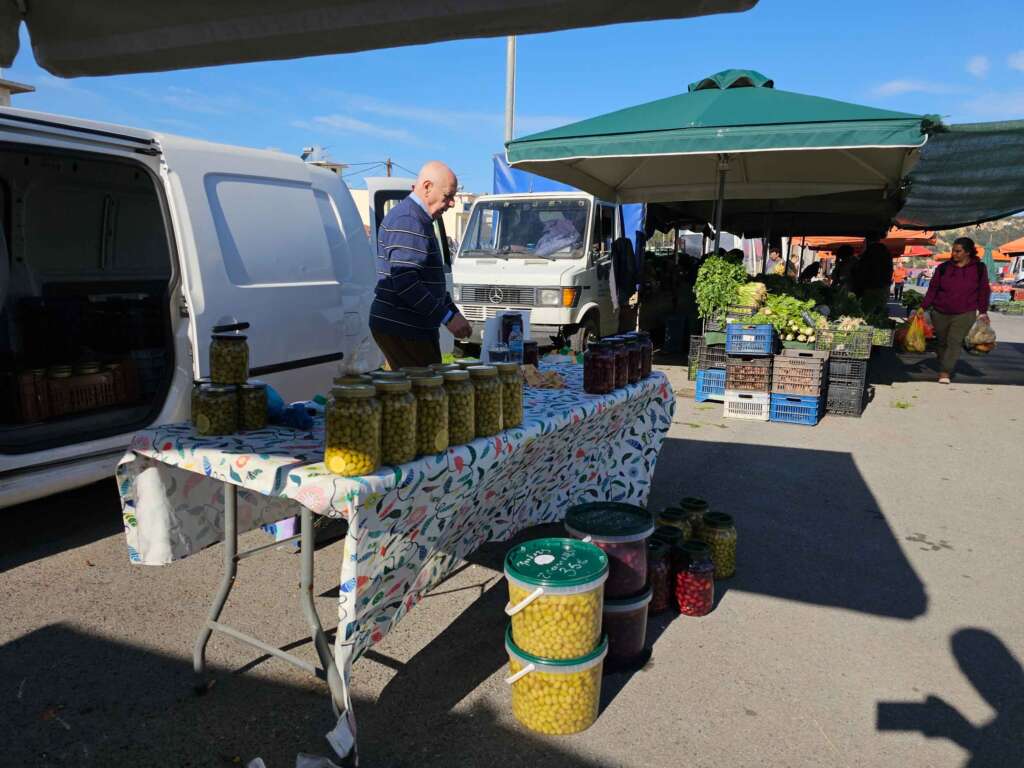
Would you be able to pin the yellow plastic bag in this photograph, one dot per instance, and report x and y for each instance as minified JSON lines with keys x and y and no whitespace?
{"x":915,"y":340}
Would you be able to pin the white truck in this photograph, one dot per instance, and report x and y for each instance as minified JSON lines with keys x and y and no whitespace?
{"x":548,"y":253}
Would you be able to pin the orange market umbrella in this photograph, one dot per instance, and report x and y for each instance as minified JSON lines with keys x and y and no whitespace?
{"x":1013,"y":247}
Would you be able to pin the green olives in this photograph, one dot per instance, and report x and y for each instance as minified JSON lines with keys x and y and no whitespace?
{"x":511,"y":394}
{"x":229,"y":359}
{"x":461,"y":410}
{"x":352,"y":441}
{"x":216,"y":410}
{"x":252,"y":407}
{"x":197,"y":385}
{"x":487,"y":399}
{"x":398,"y":421}
{"x":431,"y":414}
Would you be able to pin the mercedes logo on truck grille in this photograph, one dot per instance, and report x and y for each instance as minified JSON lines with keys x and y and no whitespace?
{"x":496,"y":296}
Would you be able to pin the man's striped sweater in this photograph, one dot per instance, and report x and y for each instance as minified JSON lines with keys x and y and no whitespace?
{"x":411,"y":299}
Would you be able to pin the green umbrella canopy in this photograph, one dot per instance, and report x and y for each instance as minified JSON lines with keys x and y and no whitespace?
{"x":778,"y":145}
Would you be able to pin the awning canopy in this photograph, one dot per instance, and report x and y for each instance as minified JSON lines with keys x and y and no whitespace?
{"x":108,"y":37}
{"x":778,"y":144}
{"x":1013,"y":247}
{"x":968,"y":174}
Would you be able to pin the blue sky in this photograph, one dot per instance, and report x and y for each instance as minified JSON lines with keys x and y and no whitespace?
{"x":965,"y":62}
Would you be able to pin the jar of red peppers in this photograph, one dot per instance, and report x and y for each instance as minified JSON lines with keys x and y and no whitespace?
{"x":659,"y":574}
{"x":719,"y":533}
{"x":695,"y":581}
{"x":621,"y":530}
{"x":635,"y":363}
{"x":599,"y":369}
{"x":646,"y":353}
{"x":618,"y":345}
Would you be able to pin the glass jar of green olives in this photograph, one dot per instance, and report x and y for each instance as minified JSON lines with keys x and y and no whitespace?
{"x":229,"y":354}
{"x":376,"y":376}
{"x":216,"y":410}
{"x":719,"y":532}
{"x":352,"y":440}
{"x":487,"y":399}
{"x":431,"y":414}
{"x":398,"y":421}
{"x":511,"y":394}
{"x":352,"y":378}
{"x":252,"y":407}
{"x":197,"y":384}
{"x":461,"y":401}
{"x":413,"y":371}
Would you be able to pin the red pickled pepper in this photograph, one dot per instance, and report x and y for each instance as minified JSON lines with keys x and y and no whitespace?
{"x":695,"y":593}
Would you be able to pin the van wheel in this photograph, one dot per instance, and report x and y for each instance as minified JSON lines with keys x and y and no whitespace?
{"x":587,"y":331}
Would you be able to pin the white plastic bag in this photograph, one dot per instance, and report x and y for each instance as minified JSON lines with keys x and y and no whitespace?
{"x":981,"y":338}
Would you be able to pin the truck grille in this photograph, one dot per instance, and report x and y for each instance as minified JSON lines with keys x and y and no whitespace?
{"x":500,"y":295}
{"x":479,"y":312}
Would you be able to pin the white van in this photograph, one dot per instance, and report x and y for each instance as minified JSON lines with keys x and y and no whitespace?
{"x":121,"y":249}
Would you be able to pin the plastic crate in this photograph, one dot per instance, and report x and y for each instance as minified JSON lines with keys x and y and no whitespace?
{"x":846,"y":400}
{"x":750,"y":339}
{"x":848,"y":369}
{"x":854,"y":343}
{"x":1014,"y":308}
{"x":712,"y":356}
{"x":710,"y":385}
{"x":754,"y":406}
{"x":882,"y":337}
{"x":731,"y":315}
{"x":800,"y":372}
{"x":748,"y":373}
{"x":795,"y":409}
{"x":81,"y":393}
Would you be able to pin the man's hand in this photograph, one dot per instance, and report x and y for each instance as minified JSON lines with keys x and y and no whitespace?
{"x":460,"y":327}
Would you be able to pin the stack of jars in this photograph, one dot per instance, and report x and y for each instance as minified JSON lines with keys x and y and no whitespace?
{"x":227,"y":402}
{"x":556,"y":652}
{"x":622,"y":532}
{"x":615,"y":362}
{"x":391,"y":417}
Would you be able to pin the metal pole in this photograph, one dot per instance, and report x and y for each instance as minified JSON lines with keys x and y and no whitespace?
{"x":510,"y":87}
{"x":723,"y":168}
{"x":226,"y":583}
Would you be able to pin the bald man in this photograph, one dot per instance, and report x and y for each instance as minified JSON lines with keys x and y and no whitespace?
{"x":411,"y":300}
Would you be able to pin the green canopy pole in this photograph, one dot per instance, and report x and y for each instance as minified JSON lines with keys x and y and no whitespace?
{"x":723,"y":168}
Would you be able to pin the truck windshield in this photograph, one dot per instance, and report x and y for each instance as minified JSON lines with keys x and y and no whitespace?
{"x":549,"y":228}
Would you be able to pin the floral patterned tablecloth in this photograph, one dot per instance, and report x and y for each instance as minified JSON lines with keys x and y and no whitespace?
{"x":409,"y":526}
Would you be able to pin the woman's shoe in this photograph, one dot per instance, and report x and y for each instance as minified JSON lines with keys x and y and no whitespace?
{"x":943,"y":378}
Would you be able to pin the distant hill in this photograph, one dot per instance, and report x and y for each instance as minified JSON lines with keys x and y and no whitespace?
{"x":992,"y":233}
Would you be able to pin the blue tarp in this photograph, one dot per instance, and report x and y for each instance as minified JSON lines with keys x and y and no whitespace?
{"x":511,"y":181}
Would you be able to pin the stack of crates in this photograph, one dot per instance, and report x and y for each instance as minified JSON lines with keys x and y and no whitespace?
{"x":799,"y":379}
{"x":847,"y":386}
{"x":749,"y":349}
{"x":711,"y":371}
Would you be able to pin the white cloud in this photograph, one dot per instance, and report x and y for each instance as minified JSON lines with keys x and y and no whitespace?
{"x":900,"y":87}
{"x":347,"y":124}
{"x":978,"y":65}
{"x":995,"y":105}
{"x":1016,"y":60}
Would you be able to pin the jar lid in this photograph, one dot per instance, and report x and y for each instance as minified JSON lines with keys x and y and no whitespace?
{"x":672,"y":513}
{"x":530,"y":343}
{"x":717,"y":520}
{"x":599,"y":344}
{"x":556,"y":563}
{"x":253,"y":385}
{"x":353,"y":391}
{"x":507,"y":368}
{"x":229,"y":337}
{"x":693,"y":504}
{"x":393,"y":386}
{"x":694,"y":548}
{"x":466,"y":362}
{"x":609,"y":521}
{"x":482,"y":371}
{"x":416,"y":370}
{"x":219,"y":389}
{"x":427,"y":381}
{"x":624,"y":604}
{"x":388,"y":376}
{"x":541,"y":662}
{"x":200,"y":382}
{"x":657,"y":548}
{"x":455,"y":374}
{"x":352,"y":378}
{"x":668,"y":534}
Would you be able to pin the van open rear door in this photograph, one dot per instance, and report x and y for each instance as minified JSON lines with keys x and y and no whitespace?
{"x":269,"y":240}
{"x":384,"y":192}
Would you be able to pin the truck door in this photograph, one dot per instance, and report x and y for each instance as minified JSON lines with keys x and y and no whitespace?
{"x":384,"y":193}
{"x":602,"y":235}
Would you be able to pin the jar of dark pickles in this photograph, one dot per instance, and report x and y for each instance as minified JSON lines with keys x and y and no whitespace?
{"x":646,"y":353}
{"x":531,"y":353}
{"x":621,"y":360}
{"x":633,"y":348}
{"x":659,"y":574}
{"x":695,"y":580}
{"x":695,"y":509}
{"x":599,"y":368}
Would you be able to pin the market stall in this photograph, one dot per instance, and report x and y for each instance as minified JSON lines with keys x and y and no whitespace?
{"x":409,"y":526}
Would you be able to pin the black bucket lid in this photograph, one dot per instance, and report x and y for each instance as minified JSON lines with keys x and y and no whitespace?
{"x":610,"y":521}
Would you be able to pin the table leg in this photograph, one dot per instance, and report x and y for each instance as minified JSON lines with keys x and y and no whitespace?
{"x":339,"y":699}
{"x":227,"y":582}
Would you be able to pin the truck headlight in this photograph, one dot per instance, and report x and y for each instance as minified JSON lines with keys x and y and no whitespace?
{"x":550,"y":297}
{"x":456,"y":293}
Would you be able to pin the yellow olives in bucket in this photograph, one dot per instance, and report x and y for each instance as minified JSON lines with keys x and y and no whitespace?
{"x":556,"y":595}
{"x":555,"y":697}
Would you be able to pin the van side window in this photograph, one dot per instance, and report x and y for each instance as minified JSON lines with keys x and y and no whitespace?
{"x":270,"y":233}
{"x":604,"y":228}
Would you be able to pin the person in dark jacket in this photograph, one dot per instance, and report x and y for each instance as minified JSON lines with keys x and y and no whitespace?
{"x":843,"y":269}
{"x":411,"y":301}
{"x":958,"y":293}
{"x":872,"y":277}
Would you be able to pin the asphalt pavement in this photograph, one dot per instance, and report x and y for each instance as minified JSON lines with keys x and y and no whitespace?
{"x":875,"y":619}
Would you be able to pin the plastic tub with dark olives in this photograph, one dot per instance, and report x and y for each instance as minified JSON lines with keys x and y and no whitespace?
{"x":398,"y":421}
{"x":487,"y":399}
{"x":461,"y":406}
{"x":352,"y":441}
{"x":431,"y":414}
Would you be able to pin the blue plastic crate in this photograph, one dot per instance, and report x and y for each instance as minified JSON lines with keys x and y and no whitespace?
{"x":745,"y":339}
{"x":711,"y":385}
{"x":796,"y":409}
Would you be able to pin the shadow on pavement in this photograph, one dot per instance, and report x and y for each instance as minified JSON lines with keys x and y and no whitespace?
{"x":1003,"y":366}
{"x":810,"y":529}
{"x":64,"y":521}
{"x":998,"y":678}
